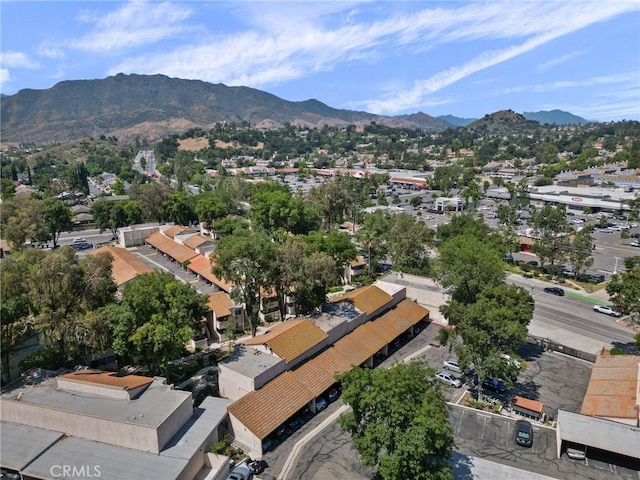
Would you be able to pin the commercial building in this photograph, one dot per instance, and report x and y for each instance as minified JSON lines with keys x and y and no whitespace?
{"x":609,"y":420}
{"x":108,"y":426}
{"x":579,"y":198}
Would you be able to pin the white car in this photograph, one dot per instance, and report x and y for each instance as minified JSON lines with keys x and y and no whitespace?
{"x":449,"y":379}
{"x":606,"y":309}
{"x":451,"y":365}
{"x":635,"y":244}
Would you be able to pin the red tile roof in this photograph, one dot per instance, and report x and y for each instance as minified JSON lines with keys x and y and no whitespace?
{"x":171,"y":232}
{"x":126,"y":265}
{"x":613,"y":388}
{"x":291,"y":338}
{"x":175,"y":250}
{"x":108,"y":378}
{"x":264,"y":410}
{"x":366,"y":299}
{"x":202,"y":266}
{"x":528,"y":404}
{"x":197,"y":240}
{"x":220,"y":303}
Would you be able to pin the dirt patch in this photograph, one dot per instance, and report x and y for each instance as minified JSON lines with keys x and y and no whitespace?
{"x":193,"y":144}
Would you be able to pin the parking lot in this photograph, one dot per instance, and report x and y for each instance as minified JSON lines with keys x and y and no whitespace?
{"x":557,"y":380}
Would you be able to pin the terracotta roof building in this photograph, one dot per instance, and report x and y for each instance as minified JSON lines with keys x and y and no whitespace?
{"x":352,"y":338}
{"x":171,"y":248}
{"x":613,"y":390}
{"x":126,"y":265}
{"x":367,"y":299}
{"x":290,"y":339}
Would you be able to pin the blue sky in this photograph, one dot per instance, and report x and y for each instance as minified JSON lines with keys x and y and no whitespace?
{"x":462,"y":58}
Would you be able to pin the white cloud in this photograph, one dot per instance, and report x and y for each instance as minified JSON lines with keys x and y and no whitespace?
{"x":585,"y":82}
{"x":5,"y":77}
{"x":557,"y":61}
{"x":296,"y":41}
{"x":135,"y":24}
{"x":49,"y":50}
{"x":18,"y":60}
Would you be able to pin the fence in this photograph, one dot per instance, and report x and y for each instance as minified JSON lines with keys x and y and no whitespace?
{"x":548,"y":344}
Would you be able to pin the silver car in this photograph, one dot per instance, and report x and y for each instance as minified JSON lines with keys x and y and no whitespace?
{"x":449,"y":379}
{"x":451,"y":365}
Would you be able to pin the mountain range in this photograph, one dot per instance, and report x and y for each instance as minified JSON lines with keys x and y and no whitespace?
{"x":153,"y":106}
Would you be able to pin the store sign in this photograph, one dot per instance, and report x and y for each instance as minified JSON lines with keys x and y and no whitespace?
{"x":576,"y":199}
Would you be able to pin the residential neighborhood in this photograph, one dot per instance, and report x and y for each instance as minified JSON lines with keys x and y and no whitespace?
{"x":229,"y":324}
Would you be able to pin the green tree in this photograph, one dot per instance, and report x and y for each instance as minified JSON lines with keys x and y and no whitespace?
{"x":416,"y":202}
{"x":472,"y":192}
{"x":245,"y":261}
{"x":179,"y":208}
{"x":62,"y":290}
{"x":151,"y":197}
{"x":303,"y":274}
{"x":398,"y":422}
{"x":21,"y":220}
{"x":331,"y":201}
{"x":408,"y":241}
{"x":275,"y":210}
{"x":57,"y":218}
{"x":581,"y":250}
{"x":214,"y":205}
{"x":636,"y":342}
{"x":468,"y":265}
{"x":481,"y":332}
{"x":551,"y":232}
{"x":371,"y":236}
{"x":624,"y":291}
{"x":157,"y":316}
{"x":7,"y":189}
{"x":337,"y":245}
{"x":15,"y":304}
{"x":110,"y":215}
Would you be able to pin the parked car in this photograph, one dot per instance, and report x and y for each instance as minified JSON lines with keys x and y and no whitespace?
{"x":321,"y":404}
{"x":635,"y":244}
{"x":333,"y":394}
{"x":606,"y":309}
{"x":524,"y":433}
{"x":607,"y":230}
{"x":494,"y":385}
{"x":635,"y":235}
{"x":534,"y":263}
{"x":591,"y":277}
{"x":451,"y":365}
{"x":568,"y":272}
{"x":81,"y":246}
{"x":554,"y":291}
{"x":576,"y":453}
{"x":280,"y":431}
{"x":241,"y":472}
{"x":449,"y":379}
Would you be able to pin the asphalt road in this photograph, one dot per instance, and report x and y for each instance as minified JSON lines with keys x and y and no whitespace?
{"x":571,"y":320}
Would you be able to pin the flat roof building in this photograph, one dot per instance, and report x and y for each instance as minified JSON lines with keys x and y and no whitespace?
{"x":115,"y":426}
